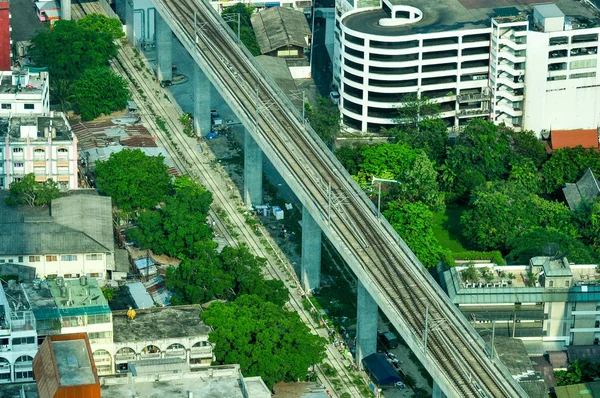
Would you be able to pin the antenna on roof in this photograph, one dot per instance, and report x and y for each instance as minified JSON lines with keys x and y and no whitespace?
{"x":560,"y":256}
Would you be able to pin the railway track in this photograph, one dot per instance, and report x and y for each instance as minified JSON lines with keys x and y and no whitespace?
{"x":200,"y":170}
{"x":456,"y":352}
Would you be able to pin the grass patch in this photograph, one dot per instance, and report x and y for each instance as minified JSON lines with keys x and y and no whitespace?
{"x":446,"y":228}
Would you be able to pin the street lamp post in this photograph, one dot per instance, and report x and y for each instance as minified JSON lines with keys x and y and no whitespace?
{"x":381,"y":180}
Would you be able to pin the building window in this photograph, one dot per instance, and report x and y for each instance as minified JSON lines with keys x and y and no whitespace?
{"x":18,"y":165}
{"x":93,"y":257}
{"x":17,"y":150}
{"x":23,"y":340}
{"x":10,"y":260}
{"x":63,"y":170}
{"x":6,"y":106}
{"x":51,"y":258}
{"x":24,"y":375}
{"x":94,"y":275}
{"x":20,"y":259}
{"x":29,"y":106}
{"x":34,"y":259}
{"x":567,"y":283}
{"x":551,"y":284}
{"x":68,"y":257}
{"x":2,"y":261}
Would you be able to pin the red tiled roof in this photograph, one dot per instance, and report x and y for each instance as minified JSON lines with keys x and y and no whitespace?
{"x":572,"y":138}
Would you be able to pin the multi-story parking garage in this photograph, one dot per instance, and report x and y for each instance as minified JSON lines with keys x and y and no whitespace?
{"x":532,"y":67}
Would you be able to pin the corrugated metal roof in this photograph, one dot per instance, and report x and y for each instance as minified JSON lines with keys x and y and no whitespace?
{"x":90,"y":214}
{"x":278,"y":27}
{"x":40,"y":238}
{"x":140,"y":295}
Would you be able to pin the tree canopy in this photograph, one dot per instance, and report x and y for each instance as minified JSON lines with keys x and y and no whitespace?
{"x":413,"y":222}
{"x":102,"y":24}
{"x":133,"y":180}
{"x":264,"y":338}
{"x":69,"y":49}
{"x":247,"y":35}
{"x":178,"y":228}
{"x":568,"y":165}
{"x":324,"y":118}
{"x":29,"y":191}
{"x":210,"y":275}
{"x":99,"y":91}
{"x":502,"y":211}
{"x":420,"y":127}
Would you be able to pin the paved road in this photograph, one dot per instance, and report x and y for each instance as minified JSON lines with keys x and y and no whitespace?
{"x":24,"y":21}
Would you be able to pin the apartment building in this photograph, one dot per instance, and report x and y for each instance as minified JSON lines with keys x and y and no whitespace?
{"x":547,"y":300}
{"x":18,"y":336}
{"x":24,"y":91}
{"x":74,"y":240}
{"x":5,"y":40}
{"x":528,"y":66}
{"x":43,"y":145}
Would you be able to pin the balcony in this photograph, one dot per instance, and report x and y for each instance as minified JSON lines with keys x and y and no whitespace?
{"x":472,"y":112}
{"x":148,"y":355}
{"x":125,"y":357}
{"x":175,"y":353}
{"x":16,"y":156}
{"x":510,"y":95}
{"x":508,"y":109}
{"x":474,"y":97}
{"x":197,"y":352}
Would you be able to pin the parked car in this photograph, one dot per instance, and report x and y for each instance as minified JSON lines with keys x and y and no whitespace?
{"x":215,"y":118}
{"x":388,"y":339}
{"x":334,"y":96}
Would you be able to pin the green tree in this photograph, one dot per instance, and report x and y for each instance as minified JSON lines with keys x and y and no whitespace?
{"x":109,"y":293}
{"x":386,"y":161}
{"x":99,"y":91}
{"x":419,"y":183}
{"x":567,"y":165}
{"x":133,"y":180}
{"x":587,"y":216}
{"x":526,"y":175}
{"x":531,"y":244}
{"x":29,"y":191}
{"x":184,"y":218}
{"x":471,"y":273}
{"x":68,"y":49}
{"x":62,"y":93}
{"x":265,"y":339}
{"x":247,"y":35}
{"x":413,"y":222}
{"x":351,"y":157}
{"x":503,"y":211}
{"x":102,"y":24}
{"x":420,"y":127}
{"x":324,"y":118}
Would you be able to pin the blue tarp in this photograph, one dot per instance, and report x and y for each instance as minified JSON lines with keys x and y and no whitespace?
{"x":380,"y":370}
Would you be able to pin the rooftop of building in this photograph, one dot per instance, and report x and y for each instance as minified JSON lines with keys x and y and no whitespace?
{"x":513,"y":355}
{"x":278,"y":27}
{"x":591,"y":389}
{"x":36,"y":127}
{"x":159,"y":323}
{"x":452,"y":15}
{"x":72,"y":298}
{"x":78,"y":224}
{"x":213,"y":382}
{"x":106,"y":132}
{"x":22,"y":81}
{"x":73,"y":362}
{"x":501,"y":287}
{"x":587,"y":138}
{"x":586,"y":189}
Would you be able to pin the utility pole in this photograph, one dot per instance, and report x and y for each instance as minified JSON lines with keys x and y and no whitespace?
{"x":381,"y":180}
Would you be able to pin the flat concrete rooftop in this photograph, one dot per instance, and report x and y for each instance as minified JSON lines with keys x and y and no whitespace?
{"x":73,"y":363}
{"x":213,"y":382}
{"x":34,"y":82}
{"x":43,"y":127}
{"x":449,"y":15}
{"x":159,"y":323}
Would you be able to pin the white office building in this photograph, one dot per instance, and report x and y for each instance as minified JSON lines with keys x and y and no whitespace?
{"x":528,"y":66}
{"x":24,"y":91}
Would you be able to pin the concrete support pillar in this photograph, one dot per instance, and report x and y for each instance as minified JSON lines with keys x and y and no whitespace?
{"x":366,"y":325}
{"x":253,"y":164}
{"x":164,"y":46}
{"x":65,"y":10}
{"x":129,"y":30}
{"x":201,"y":102}
{"x":311,"y":252}
{"x":437,"y":391}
